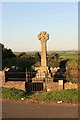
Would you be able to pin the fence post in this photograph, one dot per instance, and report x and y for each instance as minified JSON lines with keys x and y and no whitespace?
{"x":26,"y":74}
{"x":60,"y":84}
{"x":44,"y":86}
{"x":3,"y":77}
{"x":26,"y":82}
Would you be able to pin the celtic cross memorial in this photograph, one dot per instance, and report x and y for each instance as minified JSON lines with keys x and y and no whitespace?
{"x":43,"y":37}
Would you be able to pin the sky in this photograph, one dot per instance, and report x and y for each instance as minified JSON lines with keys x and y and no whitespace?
{"x":23,"y":21}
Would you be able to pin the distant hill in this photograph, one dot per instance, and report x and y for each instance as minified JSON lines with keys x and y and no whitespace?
{"x":50,"y":52}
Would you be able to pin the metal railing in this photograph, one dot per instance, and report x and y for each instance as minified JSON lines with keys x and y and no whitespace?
{"x":35,"y":81}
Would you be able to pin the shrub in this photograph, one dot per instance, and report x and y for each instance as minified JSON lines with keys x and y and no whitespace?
{"x":72,"y":71}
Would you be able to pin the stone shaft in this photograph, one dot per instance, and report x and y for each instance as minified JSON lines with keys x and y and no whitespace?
{"x":43,"y":37}
{"x":43,"y":54}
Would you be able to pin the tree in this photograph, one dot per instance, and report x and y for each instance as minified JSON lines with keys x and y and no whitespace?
{"x":22,"y":55}
{"x":7,"y":55}
{"x":53,"y":60}
{"x":56,"y":56}
{"x":72,"y":72}
{"x":38,"y":56}
{"x":37,"y":59}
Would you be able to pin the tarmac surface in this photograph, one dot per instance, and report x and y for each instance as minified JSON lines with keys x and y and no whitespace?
{"x":23,"y":109}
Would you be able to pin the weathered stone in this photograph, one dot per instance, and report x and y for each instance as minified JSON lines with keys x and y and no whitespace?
{"x":50,"y":86}
{"x":14,"y":84}
{"x":60,"y":84}
{"x":43,"y":37}
{"x":69,"y":85}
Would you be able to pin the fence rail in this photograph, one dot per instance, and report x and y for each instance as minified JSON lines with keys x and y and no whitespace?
{"x":39,"y":76}
{"x":35,"y":81}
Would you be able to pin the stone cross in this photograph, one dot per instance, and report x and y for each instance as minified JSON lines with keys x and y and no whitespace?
{"x":43,"y":37}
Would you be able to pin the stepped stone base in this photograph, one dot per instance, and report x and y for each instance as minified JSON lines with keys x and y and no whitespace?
{"x":42,"y":74}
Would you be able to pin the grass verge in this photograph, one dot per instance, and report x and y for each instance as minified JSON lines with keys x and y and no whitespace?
{"x":66,"y":96}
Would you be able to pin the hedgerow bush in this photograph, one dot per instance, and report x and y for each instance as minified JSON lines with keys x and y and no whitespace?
{"x":72,"y":71}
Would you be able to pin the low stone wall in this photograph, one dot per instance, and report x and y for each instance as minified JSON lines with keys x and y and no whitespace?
{"x":69,"y":85}
{"x":14,"y":84}
{"x":57,"y":86}
{"x":0,"y":83}
{"x":49,"y":86}
{"x":11,"y":84}
{"x":1,"y":74}
{"x":52,"y":86}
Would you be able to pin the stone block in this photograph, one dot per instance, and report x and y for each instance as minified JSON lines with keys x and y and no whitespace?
{"x":69,"y":85}
{"x":14,"y":84}
{"x":52,"y":86}
{"x":60,"y":84}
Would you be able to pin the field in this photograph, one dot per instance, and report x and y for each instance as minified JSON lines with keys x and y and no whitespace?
{"x":69,"y":56}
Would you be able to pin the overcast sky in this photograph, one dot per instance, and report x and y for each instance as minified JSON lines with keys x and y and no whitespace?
{"x":23,"y":21}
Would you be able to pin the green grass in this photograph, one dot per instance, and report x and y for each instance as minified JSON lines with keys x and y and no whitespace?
{"x":13,"y":93}
{"x":67,"y":96}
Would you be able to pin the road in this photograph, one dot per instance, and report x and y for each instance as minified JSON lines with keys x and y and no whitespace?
{"x":22,"y":109}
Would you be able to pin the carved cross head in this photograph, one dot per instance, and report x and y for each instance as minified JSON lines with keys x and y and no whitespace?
{"x":43,"y":36}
